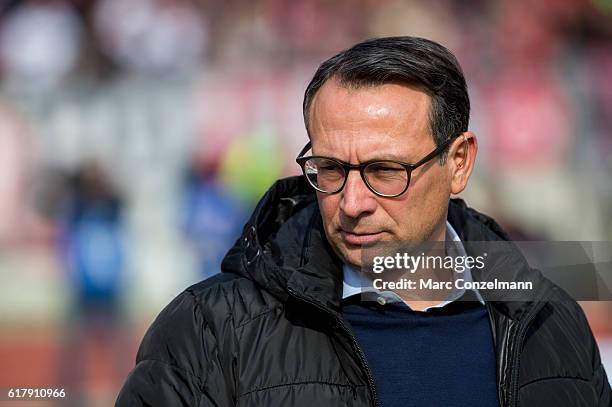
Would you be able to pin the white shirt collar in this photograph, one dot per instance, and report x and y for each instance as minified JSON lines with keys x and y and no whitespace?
{"x":352,"y":284}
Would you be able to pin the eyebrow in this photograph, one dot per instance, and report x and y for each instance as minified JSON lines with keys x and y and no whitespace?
{"x":381,"y":157}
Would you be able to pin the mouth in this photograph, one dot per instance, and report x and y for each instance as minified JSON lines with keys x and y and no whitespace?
{"x":358,"y":239}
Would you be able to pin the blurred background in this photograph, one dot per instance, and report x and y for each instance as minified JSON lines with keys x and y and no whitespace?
{"x":136,"y":136}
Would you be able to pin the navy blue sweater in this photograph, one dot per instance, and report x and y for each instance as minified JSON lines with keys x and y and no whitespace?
{"x":441,"y":357}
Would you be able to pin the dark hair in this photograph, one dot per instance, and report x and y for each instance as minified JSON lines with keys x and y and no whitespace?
{"x":407,"y":60}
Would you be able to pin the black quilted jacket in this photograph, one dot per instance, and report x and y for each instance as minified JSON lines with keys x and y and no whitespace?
{"x":268,"y":330}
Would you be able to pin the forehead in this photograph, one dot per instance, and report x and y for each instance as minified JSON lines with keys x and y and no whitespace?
{"x":389,"y":121}
{"x":393,"y":104}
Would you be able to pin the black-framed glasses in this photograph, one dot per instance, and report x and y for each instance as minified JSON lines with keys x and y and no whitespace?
{"x":386,"y":178}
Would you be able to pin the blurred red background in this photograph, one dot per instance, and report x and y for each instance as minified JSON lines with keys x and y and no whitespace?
{"x":135,"y":136}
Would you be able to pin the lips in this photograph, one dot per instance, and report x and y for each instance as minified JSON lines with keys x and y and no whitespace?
{"x":360,"y":238}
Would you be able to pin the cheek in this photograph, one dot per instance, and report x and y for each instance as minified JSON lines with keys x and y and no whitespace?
{"x":433,"y":188}
{"x":328,"y":206}
{"x":421,"y":209}
{"x":398,"y":214}
{"x":435,"y":201}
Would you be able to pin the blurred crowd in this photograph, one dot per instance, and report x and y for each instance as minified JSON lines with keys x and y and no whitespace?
{"x":136,"y":135}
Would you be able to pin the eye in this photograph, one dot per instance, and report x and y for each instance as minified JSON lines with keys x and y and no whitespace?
{"x":329,"y":167}
{"x":385,"y":170}
{"x":324,"y":168}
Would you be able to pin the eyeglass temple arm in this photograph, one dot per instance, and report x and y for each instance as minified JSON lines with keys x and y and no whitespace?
{"x":306,"y":148}
{"x":438,"y":150}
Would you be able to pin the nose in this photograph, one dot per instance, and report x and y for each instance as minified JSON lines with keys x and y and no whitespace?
{"x":356,"y":198}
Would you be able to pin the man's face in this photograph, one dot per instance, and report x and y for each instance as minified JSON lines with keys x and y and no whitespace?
{"x":390,"y":121}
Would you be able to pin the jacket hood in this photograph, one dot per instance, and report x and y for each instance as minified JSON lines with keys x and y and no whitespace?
{"x":283,"y":249}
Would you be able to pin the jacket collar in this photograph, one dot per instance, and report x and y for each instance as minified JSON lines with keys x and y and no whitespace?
{"x":283,"y":248}
{"x":480,"y":234}
{"x":283,"y":245}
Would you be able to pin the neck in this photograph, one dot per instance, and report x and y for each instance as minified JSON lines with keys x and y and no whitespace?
{"x":411,"y":297}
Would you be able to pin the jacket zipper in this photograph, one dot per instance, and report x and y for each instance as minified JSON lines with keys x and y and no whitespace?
{"x":355,"y":345}
{"x":513,"y":384}
{"x":499,"y":385}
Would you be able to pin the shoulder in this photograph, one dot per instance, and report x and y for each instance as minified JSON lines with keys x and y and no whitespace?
{"x":217,"y":304}
{"x":560,"y":350}
{"x":561,"y":337}
{"x":563,"y":313}
{"x":229,"y":295}
{"x":203,"y":319}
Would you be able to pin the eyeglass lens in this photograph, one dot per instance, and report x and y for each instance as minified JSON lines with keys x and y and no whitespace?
{"x":383,"y":177}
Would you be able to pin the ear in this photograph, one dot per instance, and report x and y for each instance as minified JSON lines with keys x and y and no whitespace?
{"x":461,"y":158}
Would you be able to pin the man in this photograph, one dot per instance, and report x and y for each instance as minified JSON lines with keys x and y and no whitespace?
{"x":288,"y":323}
